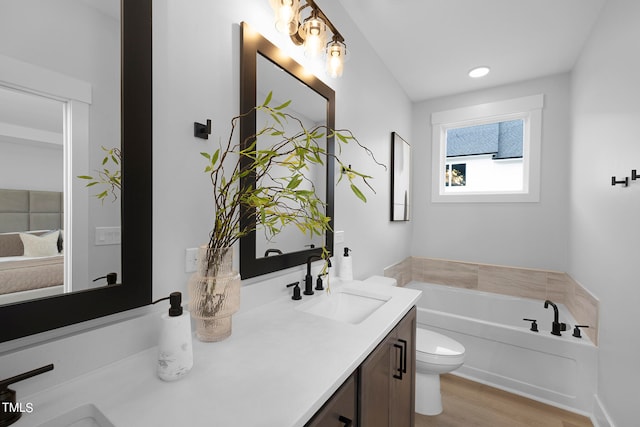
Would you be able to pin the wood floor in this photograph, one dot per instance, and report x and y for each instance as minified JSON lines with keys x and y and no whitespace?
{"x":470,"y":404}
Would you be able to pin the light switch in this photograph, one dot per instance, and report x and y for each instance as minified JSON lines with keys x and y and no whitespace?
{"x":108,"y":236}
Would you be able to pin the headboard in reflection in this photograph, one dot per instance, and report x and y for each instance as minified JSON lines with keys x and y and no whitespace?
{"x":264,"y":68}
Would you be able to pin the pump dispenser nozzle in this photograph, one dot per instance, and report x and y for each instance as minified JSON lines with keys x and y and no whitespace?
{"x":346,"y":266}
{"x":175,"y":299}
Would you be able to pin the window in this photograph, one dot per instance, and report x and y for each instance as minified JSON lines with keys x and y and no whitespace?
{"x":488,"y":152}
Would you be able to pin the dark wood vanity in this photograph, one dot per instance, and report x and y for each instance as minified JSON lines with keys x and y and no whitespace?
{"x":381,"y":392}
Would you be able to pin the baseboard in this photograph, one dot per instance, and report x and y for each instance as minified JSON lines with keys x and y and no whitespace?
{"x":512,"y":387}
{"x":600,"y":417}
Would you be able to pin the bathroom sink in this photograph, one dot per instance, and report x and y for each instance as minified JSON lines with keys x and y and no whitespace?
{"x":345,"y":305}
{"x":83,"y":416}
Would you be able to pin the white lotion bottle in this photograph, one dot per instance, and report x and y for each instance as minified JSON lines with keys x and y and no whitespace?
{"x":175,"y":350}
{"x":346,"y":266}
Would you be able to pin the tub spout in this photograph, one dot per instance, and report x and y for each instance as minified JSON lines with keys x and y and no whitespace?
{"x":556,"y":326}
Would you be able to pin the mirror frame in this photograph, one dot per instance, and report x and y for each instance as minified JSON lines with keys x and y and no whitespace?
{"x":253,"y":44}
{"x":31,"y":317}
{"x":397,"y":152}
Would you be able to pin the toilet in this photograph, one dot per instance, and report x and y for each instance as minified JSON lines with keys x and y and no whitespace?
{"x":435,"y":354}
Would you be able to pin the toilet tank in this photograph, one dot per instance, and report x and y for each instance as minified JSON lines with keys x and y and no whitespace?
{"x":381,"y":280}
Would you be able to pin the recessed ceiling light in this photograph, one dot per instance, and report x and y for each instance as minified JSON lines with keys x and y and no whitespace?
{"x":479,"y":72}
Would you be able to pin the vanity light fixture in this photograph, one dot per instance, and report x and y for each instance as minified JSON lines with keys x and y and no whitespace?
{"x":311,"y":33}
{"x":479,"y":72}
{"x":336,"y":52}
{"x":315,"y":35}
{"x":286,"y":15}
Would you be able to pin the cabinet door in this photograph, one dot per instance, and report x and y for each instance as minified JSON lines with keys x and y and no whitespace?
{"x":402,"y":406}
{"x":387,"y":379}
{"x":375,"y":373}
{"x":341,"y":409}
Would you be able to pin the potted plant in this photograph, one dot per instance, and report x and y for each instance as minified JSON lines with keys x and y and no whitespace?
{"x":283,"y":195}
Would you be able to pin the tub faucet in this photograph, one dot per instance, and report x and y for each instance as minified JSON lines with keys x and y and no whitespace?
{"x":556,"y":326}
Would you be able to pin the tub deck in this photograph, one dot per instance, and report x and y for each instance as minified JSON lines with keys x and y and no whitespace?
{"x":502,"y":352}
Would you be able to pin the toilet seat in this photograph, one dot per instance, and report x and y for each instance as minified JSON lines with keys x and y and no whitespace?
{"x":432,"y":346}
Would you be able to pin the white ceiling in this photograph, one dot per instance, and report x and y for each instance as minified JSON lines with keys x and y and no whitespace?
{"x":430,"y":45}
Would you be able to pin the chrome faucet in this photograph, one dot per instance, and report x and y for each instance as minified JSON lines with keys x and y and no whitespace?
{"x":308,"y":279}
{"x":556,"y":326}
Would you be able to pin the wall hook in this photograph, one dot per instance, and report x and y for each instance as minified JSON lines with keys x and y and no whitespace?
{"x":634,"y":175}
{"x":202,"y":131}
{"x":625,"y":182}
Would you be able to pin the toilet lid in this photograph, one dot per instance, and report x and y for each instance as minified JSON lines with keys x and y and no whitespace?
{"x":434,"y":343}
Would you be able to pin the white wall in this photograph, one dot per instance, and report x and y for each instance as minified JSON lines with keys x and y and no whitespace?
{"x":196,"y":76}
{"x":25,"y":166}
{"x":604,"y":219}
{"x":533,"y":235}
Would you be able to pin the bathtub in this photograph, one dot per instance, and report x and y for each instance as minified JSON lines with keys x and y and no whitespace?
{"x":502,"y":352}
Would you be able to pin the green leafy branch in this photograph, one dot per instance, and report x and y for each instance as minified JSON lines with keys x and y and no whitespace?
{"x":284,"y":193}
{"x":109,"y":178}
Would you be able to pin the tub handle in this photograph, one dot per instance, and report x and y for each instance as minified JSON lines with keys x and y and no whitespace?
{"x":534,"y":324}
{"x":576,"y":330}
{"x":403,"y":358}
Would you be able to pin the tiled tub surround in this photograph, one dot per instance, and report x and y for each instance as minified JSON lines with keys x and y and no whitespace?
{"x":527,"y":283}
{"x":276,"y":369}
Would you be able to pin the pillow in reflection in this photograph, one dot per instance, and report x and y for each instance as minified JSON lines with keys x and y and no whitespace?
{"x":37,"y":246}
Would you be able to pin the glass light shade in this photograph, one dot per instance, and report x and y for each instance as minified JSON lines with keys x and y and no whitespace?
{"x":286,"y":15}
{"x":315,"y":36}
{"x":336,"y":52}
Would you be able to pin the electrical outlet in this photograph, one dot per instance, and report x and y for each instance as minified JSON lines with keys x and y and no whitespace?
{"x":338,"y":237}
{"x":190,"y":260}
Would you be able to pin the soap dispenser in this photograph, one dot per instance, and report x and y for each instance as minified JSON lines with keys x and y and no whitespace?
{"x":346,"y":266}
{"x":175,"y":351}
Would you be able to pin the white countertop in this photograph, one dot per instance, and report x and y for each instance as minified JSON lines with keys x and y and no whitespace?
{"x":277,"y":368}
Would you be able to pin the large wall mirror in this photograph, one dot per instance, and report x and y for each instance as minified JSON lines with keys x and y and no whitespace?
{"x":264,"y":68}
{"x":75,"y":77}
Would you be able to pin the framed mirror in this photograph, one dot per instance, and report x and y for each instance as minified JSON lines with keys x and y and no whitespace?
{"x":265,"y":68}
{"x":131,"y":64}
{"x":400,"y":178}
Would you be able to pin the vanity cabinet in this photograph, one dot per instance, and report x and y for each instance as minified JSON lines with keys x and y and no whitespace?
{"x":387,"y":379}
{"x":381,"y":392}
